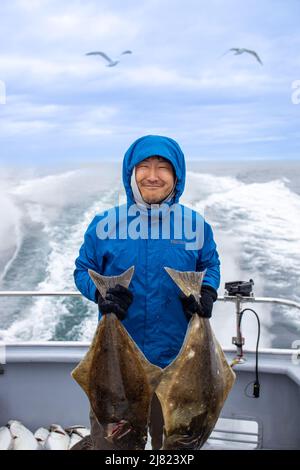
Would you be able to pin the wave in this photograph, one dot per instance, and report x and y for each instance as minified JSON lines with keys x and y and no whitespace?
{"x":10,"y":229}
{"x":256,"y":227}
{"x":62,"y":220}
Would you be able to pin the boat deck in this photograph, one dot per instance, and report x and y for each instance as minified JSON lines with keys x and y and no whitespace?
{"x":37,"y":389}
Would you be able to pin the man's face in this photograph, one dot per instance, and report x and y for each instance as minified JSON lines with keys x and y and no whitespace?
{"x":155,"y":179}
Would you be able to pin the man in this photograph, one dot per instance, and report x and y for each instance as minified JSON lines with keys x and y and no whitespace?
{"x":151,"y":231}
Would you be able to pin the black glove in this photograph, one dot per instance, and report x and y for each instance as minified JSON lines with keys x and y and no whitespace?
{"x":117,"y":300}
{"x":204,"y":307}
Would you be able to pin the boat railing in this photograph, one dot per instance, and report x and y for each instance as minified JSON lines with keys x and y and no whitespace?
{"x":238,"y":340}
{"x":225,"y":298}
{"x":252,"y":299}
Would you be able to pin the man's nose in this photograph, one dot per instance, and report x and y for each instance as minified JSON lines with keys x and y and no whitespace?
{"x":153,"y":174}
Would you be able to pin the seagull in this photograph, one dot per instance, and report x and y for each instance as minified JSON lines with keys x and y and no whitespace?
{"x":111,"y":63}
{"x":238,"y":51}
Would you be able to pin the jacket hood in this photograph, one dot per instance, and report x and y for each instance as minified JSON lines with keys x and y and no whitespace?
{"x":147,"y":146}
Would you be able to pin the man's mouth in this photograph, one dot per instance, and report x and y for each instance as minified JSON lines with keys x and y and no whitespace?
{"x":152,"y":187}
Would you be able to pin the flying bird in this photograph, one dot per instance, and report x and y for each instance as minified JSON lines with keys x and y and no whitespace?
{"x":238,"y":51}
{"x":111,"y":62}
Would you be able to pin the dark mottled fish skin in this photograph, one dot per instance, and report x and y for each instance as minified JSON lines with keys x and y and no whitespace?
{"x":119,"y":382}
{"x":194,"y":387}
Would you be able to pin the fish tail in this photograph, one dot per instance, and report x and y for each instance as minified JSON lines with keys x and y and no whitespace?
{"x":103,"y":283}
{"x":188,"y":281}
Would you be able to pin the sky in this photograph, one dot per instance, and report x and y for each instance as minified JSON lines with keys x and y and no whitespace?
{"x":63,"y":106}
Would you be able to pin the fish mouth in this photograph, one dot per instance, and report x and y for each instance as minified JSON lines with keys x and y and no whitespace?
{"x":124,"y":436}
{"x":188,"y":441}
{"x":117,"y":430}
{"x":183,"y":441}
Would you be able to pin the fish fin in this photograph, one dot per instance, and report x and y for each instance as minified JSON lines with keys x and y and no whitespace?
{"x":81,"y":373}
{"x":228,"y":372}
{"x":153,"y":373}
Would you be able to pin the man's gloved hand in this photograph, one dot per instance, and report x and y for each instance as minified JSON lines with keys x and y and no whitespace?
{"x":117,"y":300}
{"x":204,"y":307}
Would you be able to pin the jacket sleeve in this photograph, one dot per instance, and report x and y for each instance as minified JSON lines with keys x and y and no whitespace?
{"x":87,"y":260}
{"x":209,"y":259}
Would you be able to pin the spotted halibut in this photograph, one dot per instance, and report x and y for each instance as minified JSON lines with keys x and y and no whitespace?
{"x":194,"y":387}
{"x":117,"y":378}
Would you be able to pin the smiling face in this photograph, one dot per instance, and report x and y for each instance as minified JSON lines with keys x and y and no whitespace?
{"x":155,"y":179}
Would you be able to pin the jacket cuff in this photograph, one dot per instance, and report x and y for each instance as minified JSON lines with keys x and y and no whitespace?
{"x":209,"y":290}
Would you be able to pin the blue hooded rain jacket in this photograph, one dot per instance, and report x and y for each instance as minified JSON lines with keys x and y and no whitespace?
{"x":155,"y":319}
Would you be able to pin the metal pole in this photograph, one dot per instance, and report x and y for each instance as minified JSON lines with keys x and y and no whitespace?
{"x":238,"y":340}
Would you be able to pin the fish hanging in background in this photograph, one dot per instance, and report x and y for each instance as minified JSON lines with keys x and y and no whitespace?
{"x":58,"y":438}
{"x":23,"y":439}
{"x":76,"y":433}
{"x":6,"y":439}
{"x":41,"y":435}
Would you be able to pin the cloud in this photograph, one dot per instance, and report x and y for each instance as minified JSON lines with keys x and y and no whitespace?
{"x":23,"y":117}
{"x":175,"y":81}
{"x":42,"y":26}
{"x":30,"y":5}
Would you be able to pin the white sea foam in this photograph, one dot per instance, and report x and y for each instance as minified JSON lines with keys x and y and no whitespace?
{"x":256,"y":228}
{"x":10,"y":227}
{"x":41,"y":319}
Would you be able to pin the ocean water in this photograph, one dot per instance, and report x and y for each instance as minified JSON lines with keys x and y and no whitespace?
{"x":253,"y":207}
